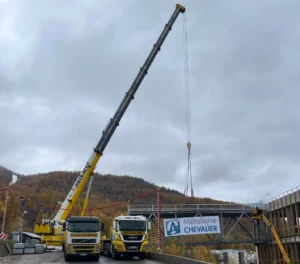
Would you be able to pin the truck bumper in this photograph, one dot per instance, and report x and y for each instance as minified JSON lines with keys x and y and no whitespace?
{"x":82,"y":250}
{"x":92,"y":255}
{"x":129,"y":255}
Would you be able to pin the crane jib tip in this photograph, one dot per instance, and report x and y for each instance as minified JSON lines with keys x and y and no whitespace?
{"x":182,"y":8}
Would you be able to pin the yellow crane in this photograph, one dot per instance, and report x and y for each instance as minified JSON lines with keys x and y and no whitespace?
{"x":51,"y":230}
{"x":258,"y":214}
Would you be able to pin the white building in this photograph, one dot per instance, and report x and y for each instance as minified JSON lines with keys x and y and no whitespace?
{"x":235,"y":256}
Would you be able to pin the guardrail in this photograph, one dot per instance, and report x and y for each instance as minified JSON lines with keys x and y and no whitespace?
{"x":166,"y":258}
{"x":193,"y":207}
{"x":283,"y":194}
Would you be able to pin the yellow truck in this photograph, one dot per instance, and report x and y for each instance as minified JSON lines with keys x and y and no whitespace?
{"x":128,"y":237}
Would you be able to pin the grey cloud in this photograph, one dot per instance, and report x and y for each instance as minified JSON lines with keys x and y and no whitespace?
{"x":66,"y":69}
{"x":212,"y":171}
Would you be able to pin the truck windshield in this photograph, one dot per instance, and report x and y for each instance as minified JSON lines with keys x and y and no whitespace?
{"x":84,"y":227}
{"x":132,"y":225}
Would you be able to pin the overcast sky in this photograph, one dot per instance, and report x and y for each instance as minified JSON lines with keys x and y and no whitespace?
{"x":66,"y":65}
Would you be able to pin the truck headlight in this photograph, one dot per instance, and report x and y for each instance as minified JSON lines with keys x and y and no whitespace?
{"x":144,"y":247}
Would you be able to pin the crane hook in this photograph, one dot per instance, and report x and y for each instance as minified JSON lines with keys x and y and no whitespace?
{"x":189,"y":145}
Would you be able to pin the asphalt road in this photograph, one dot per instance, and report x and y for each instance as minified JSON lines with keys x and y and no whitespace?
{"x":58,"y":257}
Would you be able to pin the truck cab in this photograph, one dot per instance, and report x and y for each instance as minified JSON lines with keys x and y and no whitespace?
{"x":82,"y":236}
{"x":128,"y":238}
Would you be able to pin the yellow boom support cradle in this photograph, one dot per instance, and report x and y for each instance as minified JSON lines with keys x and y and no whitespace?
{"x":86,"y":200}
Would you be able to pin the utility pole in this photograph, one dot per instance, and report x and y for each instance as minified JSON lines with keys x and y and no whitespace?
{"x":22,"y":224}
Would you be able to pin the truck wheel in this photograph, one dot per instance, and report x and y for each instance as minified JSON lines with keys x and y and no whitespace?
{"x":142,"y":256}
{"x":96,"y":258}
{"x":114,"y":255}
{"x":67,"y":257}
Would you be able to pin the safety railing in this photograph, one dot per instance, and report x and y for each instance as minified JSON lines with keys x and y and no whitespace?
{"x":193,"y":207}
{"x":283,"y":194}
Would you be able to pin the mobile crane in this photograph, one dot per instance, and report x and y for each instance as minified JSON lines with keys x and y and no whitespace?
{"x":52,"y":231}
{"x":258,"y":214}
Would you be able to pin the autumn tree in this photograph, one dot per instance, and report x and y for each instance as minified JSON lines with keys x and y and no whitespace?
{"x":203,"y":253}
{"x":13,"y":215}
{"x":39,"y":217}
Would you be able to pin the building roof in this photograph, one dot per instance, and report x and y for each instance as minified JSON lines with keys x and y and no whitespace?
{"x":32,"y":235}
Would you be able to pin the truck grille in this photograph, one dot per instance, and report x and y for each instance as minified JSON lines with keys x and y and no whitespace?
{"x":83,"y":249}
{"x":83,"y":240}
{"x":133,"y":237}
{"x":133,"y":247}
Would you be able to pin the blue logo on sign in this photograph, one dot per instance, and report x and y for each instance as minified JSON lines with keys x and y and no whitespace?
{"x":173,"y":227}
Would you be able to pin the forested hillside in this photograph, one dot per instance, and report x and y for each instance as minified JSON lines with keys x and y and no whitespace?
{"x":47,"y":190}
{"x":51,"y":188}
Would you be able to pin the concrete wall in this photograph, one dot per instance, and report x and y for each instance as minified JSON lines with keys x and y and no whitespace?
{"x":165,"y":258}
{"x":3,"y":247}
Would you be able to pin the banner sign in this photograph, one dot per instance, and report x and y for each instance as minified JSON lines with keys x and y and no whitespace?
{"x":192,"y":226}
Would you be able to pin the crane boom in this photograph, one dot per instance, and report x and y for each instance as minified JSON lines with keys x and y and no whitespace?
{"x":109,"y":130}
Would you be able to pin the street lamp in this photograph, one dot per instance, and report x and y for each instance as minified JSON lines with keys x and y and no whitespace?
{"x":24,"y":212}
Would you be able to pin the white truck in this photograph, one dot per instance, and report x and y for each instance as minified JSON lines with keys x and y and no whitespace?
{"x":82,"y":235}
{"x":128,"y":237}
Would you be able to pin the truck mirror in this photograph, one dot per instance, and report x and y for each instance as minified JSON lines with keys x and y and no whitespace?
{"x":114,"y":225}
{"x":102,"y":227}
{"x":149,"y":225}
{"x":64,"y":226}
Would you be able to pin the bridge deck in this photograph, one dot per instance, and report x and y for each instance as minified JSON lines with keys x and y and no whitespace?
{"x":191,"y":210}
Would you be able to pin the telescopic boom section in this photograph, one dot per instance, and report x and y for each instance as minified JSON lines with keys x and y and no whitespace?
{"x":88,"y":169}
